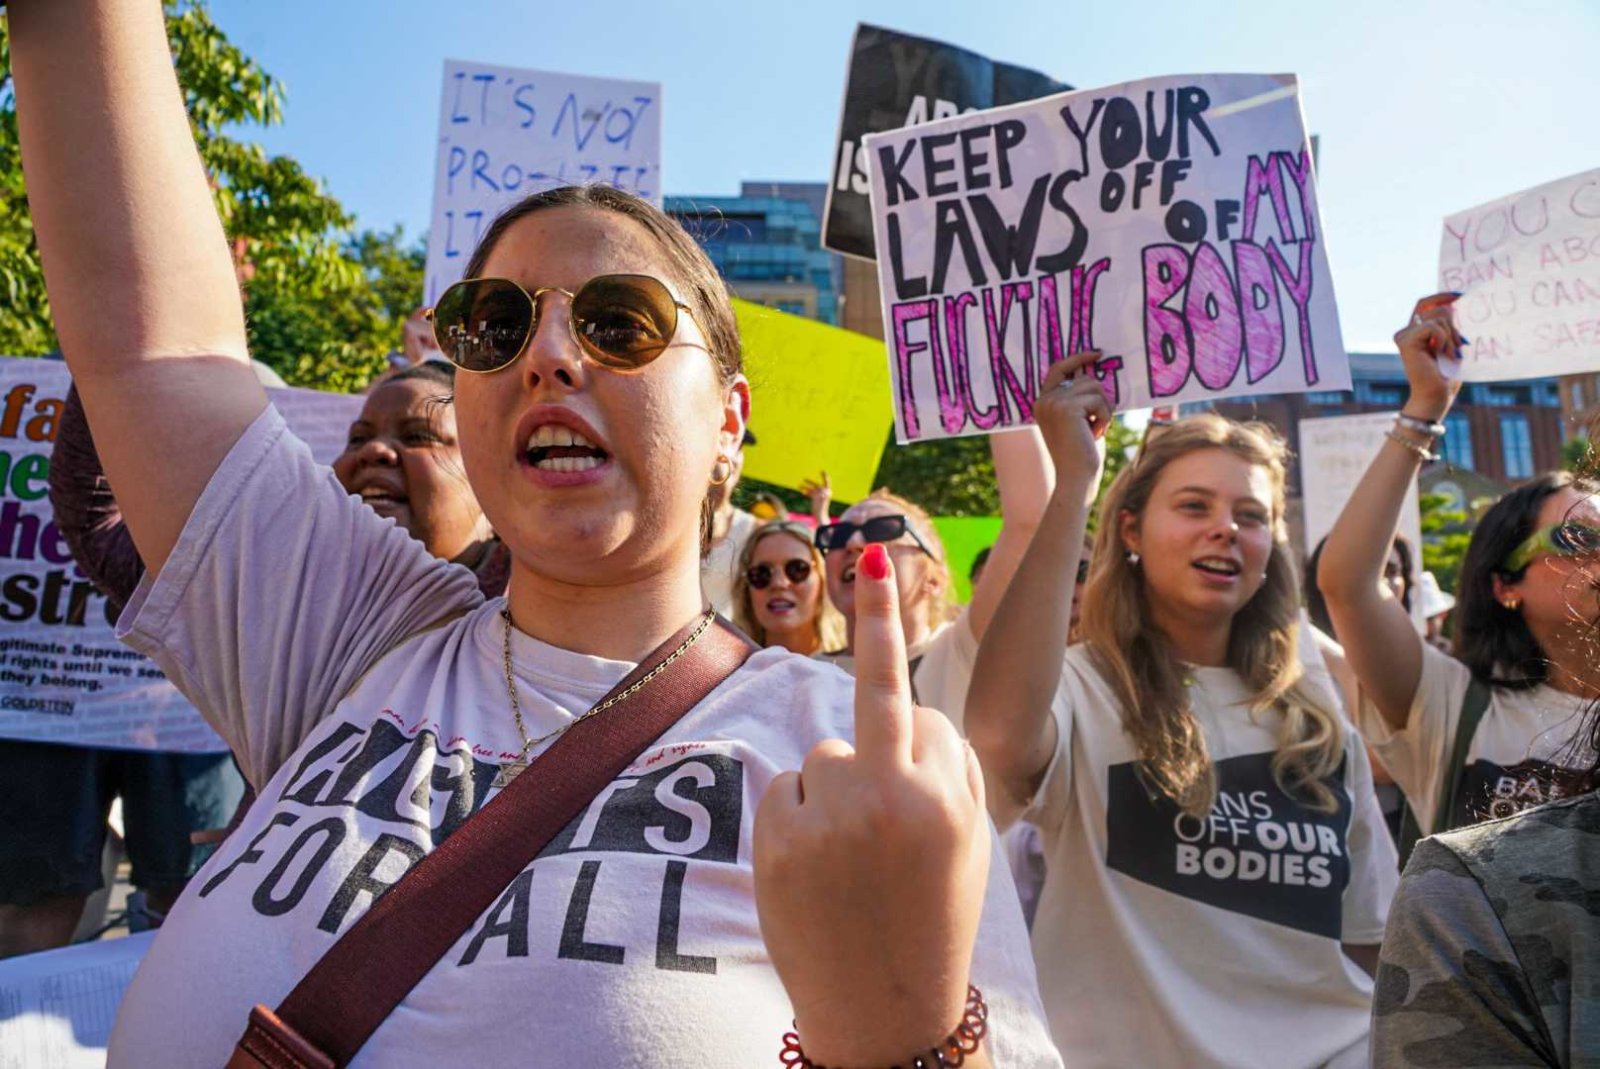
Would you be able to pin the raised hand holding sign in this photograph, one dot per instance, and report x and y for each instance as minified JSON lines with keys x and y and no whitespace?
{"x":871,"y":862}
{"x":1430,"y":351}
{"x":1073,"y":415}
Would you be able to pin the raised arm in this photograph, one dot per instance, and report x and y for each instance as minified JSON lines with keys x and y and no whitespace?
{"x":1008,"y":715}
{"x":1024,"y":476}
{"x":1379,"y":640}
{"x":139,"y":274}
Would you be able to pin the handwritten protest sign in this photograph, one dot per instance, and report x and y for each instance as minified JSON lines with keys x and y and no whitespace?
{"x":898,"y":80}
{"x":1335,"y":452}
{"x":505,"y":133}
{"x":64,"y":677}
{"x":1171,"y":223}
{"x":819,"y":401}
{"x":1528,"y":266}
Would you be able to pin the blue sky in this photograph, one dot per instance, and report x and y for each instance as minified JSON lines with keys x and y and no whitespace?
{"x":1423,"y":108}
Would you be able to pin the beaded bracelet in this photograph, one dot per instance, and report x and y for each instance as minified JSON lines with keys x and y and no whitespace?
{"x":1421,"y":426}
{"x":1420,"y":450}
{"x":950,"y":1052}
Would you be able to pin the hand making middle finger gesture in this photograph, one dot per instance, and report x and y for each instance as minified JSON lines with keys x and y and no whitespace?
{"x":871,"y":862}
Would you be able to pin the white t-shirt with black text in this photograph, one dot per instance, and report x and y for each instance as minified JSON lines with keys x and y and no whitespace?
{"x":1162,"y":940}
{"x":361,"y":683}
{"x":1520,"y":755}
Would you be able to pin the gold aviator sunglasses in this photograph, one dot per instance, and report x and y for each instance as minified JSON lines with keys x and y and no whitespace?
{"x":621,"y":322}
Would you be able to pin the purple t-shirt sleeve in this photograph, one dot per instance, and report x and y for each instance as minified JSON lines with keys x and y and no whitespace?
{"x":281,"y":593}
{"x":86,"y":511}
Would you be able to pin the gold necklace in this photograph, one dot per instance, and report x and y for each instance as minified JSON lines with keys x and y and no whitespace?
{"x":514,"y":768}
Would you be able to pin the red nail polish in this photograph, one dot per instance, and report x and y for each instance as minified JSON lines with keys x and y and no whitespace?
{"x":875,"y":561}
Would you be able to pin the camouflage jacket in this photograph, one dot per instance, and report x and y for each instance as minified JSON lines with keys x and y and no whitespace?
{"x":1492,"y":955}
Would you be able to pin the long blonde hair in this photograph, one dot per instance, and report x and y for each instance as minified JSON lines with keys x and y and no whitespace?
{"x":829,"y":621}
{"x":1138,"y":660}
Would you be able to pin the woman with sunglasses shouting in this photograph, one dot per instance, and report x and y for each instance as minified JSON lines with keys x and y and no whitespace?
{"x":1212,"y":842}
{"x":778,"y":597}
{"x":380,"y":701}
{"x":942,"y":646}
{"x":1482,"y":733}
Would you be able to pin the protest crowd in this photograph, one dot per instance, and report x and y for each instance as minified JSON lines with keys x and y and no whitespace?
{"x":756,"y":786}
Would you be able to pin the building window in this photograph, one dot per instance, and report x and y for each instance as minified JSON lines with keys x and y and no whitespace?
{"x":1501,"y":396}
{"x":1516,"y":446}
{"x":1577,"y":396}
{"x":1381,"y":393}
{"x":1456,"y":447}
{"x":1326,"y":397}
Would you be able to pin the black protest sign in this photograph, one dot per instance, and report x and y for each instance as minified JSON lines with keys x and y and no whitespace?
{"x":898,"y":80}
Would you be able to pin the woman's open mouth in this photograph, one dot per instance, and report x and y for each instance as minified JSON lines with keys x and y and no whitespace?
{"x":555,"y":448}
{"x":1220,"y":570}
{"x":384,"y":501}
{"x":556,"y":454}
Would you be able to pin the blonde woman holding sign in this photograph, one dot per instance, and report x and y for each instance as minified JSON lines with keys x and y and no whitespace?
{"x":381,"y":701}
{"x":1212,"y":842}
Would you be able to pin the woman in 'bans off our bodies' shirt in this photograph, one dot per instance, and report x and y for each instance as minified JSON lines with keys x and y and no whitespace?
{"x":376,"y":697}
{"x":1218,"y":872}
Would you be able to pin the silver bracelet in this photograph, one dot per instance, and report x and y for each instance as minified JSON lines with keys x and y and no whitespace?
{"x":1415,"y":447}
{"x":1421,"y":426}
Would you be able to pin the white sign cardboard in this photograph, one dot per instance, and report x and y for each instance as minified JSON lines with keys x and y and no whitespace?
{"x":1528,"y":269}
{"x":1335,"y":453}
{"x":57,"y":1006}
{"x":505,"y":133}
{"x":1170,"y":223}
{"x":64,"y":677}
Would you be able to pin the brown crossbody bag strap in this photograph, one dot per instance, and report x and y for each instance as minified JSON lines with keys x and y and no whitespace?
{"x":337,"y":1006}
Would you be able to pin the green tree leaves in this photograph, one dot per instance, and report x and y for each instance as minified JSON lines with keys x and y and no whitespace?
{"x":324,"y":303}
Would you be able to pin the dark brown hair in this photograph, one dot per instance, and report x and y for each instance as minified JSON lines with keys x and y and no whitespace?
{"x":1492,"y":640}
{"x":1317,"y":605}
{"x":703,"y":289}
{"x":441,"y":372}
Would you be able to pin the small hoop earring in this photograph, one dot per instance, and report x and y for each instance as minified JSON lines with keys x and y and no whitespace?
{"x":1133,"y":558}
{"x":725,"y":466}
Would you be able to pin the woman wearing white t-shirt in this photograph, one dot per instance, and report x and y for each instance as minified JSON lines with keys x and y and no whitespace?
{"x":942,"y":646}
{"x":1526,"y":605}
{"x":1217,"y":868}
{"x":379,"y":699}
